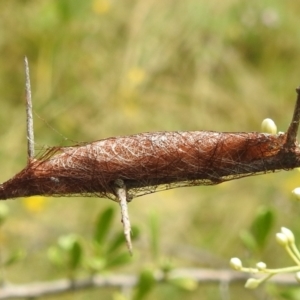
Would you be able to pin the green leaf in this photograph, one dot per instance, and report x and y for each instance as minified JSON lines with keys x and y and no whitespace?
{"x":187,"y":284}
{"x":66,"y":242}
{"x":96,"y":264}
{"x":75,"y":255}
{"x":262,"y":225}
{"x":55,"y":256}
{"x":69,"y":250}
{"x":103,"y":225}
{"x":166,"y":266}
{"x":248,"y":240}
{"x":118,"y":240}
{"x":118,"y":260}
{"x":145,"y":284}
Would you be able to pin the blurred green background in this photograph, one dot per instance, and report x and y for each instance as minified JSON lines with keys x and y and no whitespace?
{"x":102,"y":68}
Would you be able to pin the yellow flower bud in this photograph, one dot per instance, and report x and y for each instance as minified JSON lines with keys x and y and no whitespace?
{"x":269,"y":126}
{"x":261,"y":266}
{"x":289,"y":234}
{"x":252,"y":283}
{"x":296,"y":193}
{"x":282,"y":239}
{"x":236,"y":263}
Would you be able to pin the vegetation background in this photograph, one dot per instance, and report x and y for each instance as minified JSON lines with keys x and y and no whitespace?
{"x":102,"y":68}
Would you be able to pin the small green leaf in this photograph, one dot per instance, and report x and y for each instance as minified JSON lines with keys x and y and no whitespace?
{"x":187,"y":284}
{"x":166,"y":266}
{"x":248,"y":240}
{"x":68,"y":251}
{"x":55,"y":256}
{"x":119,"y":241}
{"x":118,"y":260}
{"x":145,"y":284}
{"x":115,"y":244}
{"x":66,"y":242}
{"x":96,"y":264}
{"x":262,"y":225}
{"x":103,"y":225}
{"x":75,"y":255}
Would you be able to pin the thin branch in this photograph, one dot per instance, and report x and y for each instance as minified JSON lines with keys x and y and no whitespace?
{"x":201,"y":276}
{"x":121,"y":193}
{"x":30,"y":134}
{"x":293,"y":128}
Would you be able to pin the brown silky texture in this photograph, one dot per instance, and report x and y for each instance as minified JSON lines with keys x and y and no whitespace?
{"x":148,"y":162}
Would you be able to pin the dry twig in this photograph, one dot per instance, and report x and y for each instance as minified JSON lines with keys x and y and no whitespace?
{"x":30,"y":131}
{"x":121,"y":194}
{"x":293,"y":128}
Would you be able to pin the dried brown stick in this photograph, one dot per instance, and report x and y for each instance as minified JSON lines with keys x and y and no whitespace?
{"x":293,"y":128}
{"x":30,"y":132}
{"x":121,"y":193}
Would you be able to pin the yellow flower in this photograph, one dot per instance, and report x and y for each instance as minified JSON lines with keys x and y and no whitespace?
{"x":35,"y":204}
{"x":136,"y":76}
{"x":101,"y":7}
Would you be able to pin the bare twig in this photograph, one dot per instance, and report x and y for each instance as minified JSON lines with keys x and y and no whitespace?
{"x":30,"y":134}
{"x":121,"y":193}
{"x":293,"y":128}
{"x":202,"y":276}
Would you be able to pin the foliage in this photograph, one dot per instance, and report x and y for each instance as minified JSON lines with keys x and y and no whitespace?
{"x":102,"y":252}
{"x":286,"y":239}
{"x":255,"y":238}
